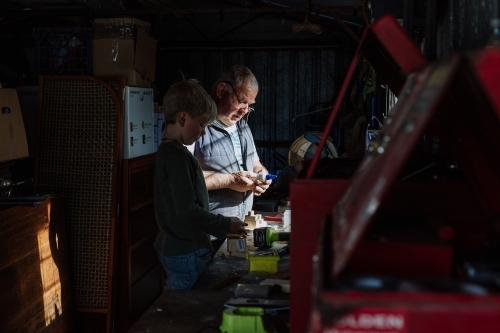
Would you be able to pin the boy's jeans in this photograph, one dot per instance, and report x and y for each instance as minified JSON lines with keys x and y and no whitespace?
{"x":183,"y":271}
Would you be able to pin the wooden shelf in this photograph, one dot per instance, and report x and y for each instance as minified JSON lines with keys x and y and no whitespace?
{"x":140,"y":274}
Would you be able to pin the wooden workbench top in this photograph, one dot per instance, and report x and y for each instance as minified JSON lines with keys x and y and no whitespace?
{"x":202,"y":306}
{"x":183,"y":312}
{"x":191,"y":310}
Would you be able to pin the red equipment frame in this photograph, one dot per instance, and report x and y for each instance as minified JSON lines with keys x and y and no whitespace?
{"x":394,"y":56}
{"x":458,"y":98}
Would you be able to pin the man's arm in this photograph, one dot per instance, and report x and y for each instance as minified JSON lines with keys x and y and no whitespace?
{"x":241,"y":181}
{"x":238,"y":181}
{"x":258,"y":167}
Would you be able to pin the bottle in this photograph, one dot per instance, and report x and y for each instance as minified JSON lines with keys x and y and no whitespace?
{"x":287,"y":220}
{"x":265,"y":176}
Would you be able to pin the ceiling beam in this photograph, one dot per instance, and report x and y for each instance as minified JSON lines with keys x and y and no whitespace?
{"x":181,"y":11}
{"x":100,"y":4}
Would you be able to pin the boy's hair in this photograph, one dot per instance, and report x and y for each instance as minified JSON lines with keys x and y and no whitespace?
{"x":187,"y":95}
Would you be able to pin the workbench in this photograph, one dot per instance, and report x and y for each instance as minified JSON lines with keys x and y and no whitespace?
{"x":200,"y":309}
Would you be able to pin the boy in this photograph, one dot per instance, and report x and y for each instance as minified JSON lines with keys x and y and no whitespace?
{"x":180,"y":194}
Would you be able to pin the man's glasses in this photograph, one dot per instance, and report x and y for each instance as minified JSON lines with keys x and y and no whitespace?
{"x":240,"y":104}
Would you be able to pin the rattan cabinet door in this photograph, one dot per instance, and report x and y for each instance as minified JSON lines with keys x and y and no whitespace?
{"x":80,"y":128}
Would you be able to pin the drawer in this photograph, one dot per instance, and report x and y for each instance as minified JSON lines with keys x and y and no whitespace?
{"x":142,"y":259}
{"x":141,"y":185}
{"x":146,"y":291}
{"x":142,"y":222}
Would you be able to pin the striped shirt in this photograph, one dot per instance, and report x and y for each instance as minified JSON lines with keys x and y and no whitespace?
{"x":233,"y":133}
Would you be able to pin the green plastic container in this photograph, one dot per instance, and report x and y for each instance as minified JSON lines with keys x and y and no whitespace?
{"x":242,"y":320}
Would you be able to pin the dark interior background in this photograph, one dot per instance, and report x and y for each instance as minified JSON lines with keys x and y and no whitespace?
{"x":298,"y":72}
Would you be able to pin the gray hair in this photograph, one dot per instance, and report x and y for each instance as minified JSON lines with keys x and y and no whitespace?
{"x":237,"y":75}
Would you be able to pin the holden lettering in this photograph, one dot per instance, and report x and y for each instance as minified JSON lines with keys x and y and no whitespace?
{"x":378,"y":321}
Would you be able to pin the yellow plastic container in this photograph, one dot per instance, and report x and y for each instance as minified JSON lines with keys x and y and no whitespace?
{"x":263,"y":261}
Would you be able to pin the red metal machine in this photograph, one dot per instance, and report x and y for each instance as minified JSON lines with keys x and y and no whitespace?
{"x":415,"y":249}
{"x":394,"y":56}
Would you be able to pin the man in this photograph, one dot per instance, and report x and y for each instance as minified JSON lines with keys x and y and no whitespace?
{"x":227,"y":153}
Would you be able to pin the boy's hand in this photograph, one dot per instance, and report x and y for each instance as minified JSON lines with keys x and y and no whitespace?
{"x":237,"y":227}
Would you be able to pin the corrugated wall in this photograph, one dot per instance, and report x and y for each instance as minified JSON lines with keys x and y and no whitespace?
{"x":292,"y":81}
{"x":297,"y":79}
{"x":464,"y":24}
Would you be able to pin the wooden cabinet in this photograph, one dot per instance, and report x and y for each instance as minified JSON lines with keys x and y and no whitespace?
{"x":34,"y":268}
{"x":79,"y":149}
{"x":115,"y":272}
{"x":139,"y":273}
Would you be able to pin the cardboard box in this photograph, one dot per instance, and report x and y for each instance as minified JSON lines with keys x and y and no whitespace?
{"x":118,"y":27}
{"x":138,"y":136}
{"x":28,"y":100}
{"x":13,"y":143}
{"x":122,"y":46}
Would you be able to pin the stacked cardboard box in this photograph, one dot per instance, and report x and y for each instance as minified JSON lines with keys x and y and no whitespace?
{"x":122,"y":46}
{"x":28,"y":100}
{"x":13,"y":144}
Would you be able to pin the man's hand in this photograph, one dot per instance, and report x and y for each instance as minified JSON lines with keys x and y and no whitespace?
{"x":261,"y":187}
{"x":242,"y":181}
